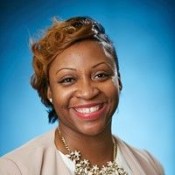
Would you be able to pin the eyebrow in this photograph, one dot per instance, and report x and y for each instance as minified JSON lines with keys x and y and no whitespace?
{"x":106,"y":63}
{"x":73,"y":69}
{"x":67,"y":68}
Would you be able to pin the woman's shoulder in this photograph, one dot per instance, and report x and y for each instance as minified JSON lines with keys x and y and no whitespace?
{"x":44,"y":141}
{"x":30,"y":154}
{"x":140,"y":160}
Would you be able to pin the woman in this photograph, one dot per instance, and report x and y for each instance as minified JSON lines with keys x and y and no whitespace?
{"x":76,"y":74}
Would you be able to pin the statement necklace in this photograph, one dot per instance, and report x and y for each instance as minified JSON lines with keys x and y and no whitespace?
{"x":84,"y":167}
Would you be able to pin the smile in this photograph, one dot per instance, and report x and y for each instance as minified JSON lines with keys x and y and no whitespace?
{"x":88,"y":110}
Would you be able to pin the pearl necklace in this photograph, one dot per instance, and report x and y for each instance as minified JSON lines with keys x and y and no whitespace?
{"x":84,"y":167}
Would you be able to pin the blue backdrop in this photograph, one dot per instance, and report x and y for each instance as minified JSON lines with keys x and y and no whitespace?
{"x":144,"y":36}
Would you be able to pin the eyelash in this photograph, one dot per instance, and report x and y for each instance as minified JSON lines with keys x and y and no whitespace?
{"x":100,"y":76}
{"x":67,"y":81}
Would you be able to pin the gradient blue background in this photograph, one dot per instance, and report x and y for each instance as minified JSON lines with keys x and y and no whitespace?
{"x":144,"y":35}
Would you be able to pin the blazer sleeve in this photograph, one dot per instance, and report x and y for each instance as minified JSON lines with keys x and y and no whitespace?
{"x":155,"y":163}
{"x":8,"y":166}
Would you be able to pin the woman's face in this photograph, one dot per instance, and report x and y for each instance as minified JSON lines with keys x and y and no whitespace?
{"x":84,"y":88}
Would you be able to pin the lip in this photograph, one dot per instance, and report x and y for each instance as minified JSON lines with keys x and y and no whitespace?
{"x":89,"y":111}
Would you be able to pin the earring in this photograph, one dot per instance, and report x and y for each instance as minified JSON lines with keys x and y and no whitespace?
{"x":50,"y":99}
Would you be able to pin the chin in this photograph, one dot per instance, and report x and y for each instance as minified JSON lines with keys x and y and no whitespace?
{"x":95,"y":129}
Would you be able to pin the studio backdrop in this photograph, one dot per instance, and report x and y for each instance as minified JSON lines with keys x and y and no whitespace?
{"x":143,"y":33}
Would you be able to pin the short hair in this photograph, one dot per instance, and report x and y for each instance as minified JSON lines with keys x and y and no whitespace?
{"x":61,"y":35}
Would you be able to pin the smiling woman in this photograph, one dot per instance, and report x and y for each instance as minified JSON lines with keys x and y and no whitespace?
{"x":76,"y":74}
{"x":84,"y":92}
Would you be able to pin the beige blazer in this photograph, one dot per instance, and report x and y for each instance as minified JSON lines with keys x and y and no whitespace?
{"x":40,"y":157}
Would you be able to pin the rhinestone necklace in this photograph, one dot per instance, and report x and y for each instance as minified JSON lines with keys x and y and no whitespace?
{"x":84,"y":167}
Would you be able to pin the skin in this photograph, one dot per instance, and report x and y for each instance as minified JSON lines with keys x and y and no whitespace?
{"x":84,"y":88}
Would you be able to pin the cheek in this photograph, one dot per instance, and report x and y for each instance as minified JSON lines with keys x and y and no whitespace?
{"x":61,"y":97}
{"x":112,"y":91}
{"x":112,"y":88}
{"x":114,"y":94}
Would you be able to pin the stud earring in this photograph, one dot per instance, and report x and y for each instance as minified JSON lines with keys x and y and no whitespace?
{"x":50,"y":99}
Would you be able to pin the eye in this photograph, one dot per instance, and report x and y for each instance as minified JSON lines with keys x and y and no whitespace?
{"x":101,"y":76}
{"x":67,"y":81}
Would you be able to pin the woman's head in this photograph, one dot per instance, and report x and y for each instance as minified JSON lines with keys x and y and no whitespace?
{"x":60,"y":36}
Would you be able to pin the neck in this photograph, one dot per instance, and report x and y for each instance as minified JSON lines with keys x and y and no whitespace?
{"x":91,"y":147}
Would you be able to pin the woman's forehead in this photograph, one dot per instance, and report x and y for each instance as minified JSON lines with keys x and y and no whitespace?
{"x":83,"y":53}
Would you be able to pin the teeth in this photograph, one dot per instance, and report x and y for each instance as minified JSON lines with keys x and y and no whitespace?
{"x":88,"y":110}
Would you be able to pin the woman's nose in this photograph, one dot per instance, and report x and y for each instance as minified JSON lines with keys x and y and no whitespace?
{"x":87,"y":90}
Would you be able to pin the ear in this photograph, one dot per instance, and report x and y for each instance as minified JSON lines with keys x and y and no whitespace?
{"x":49,"y":94}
